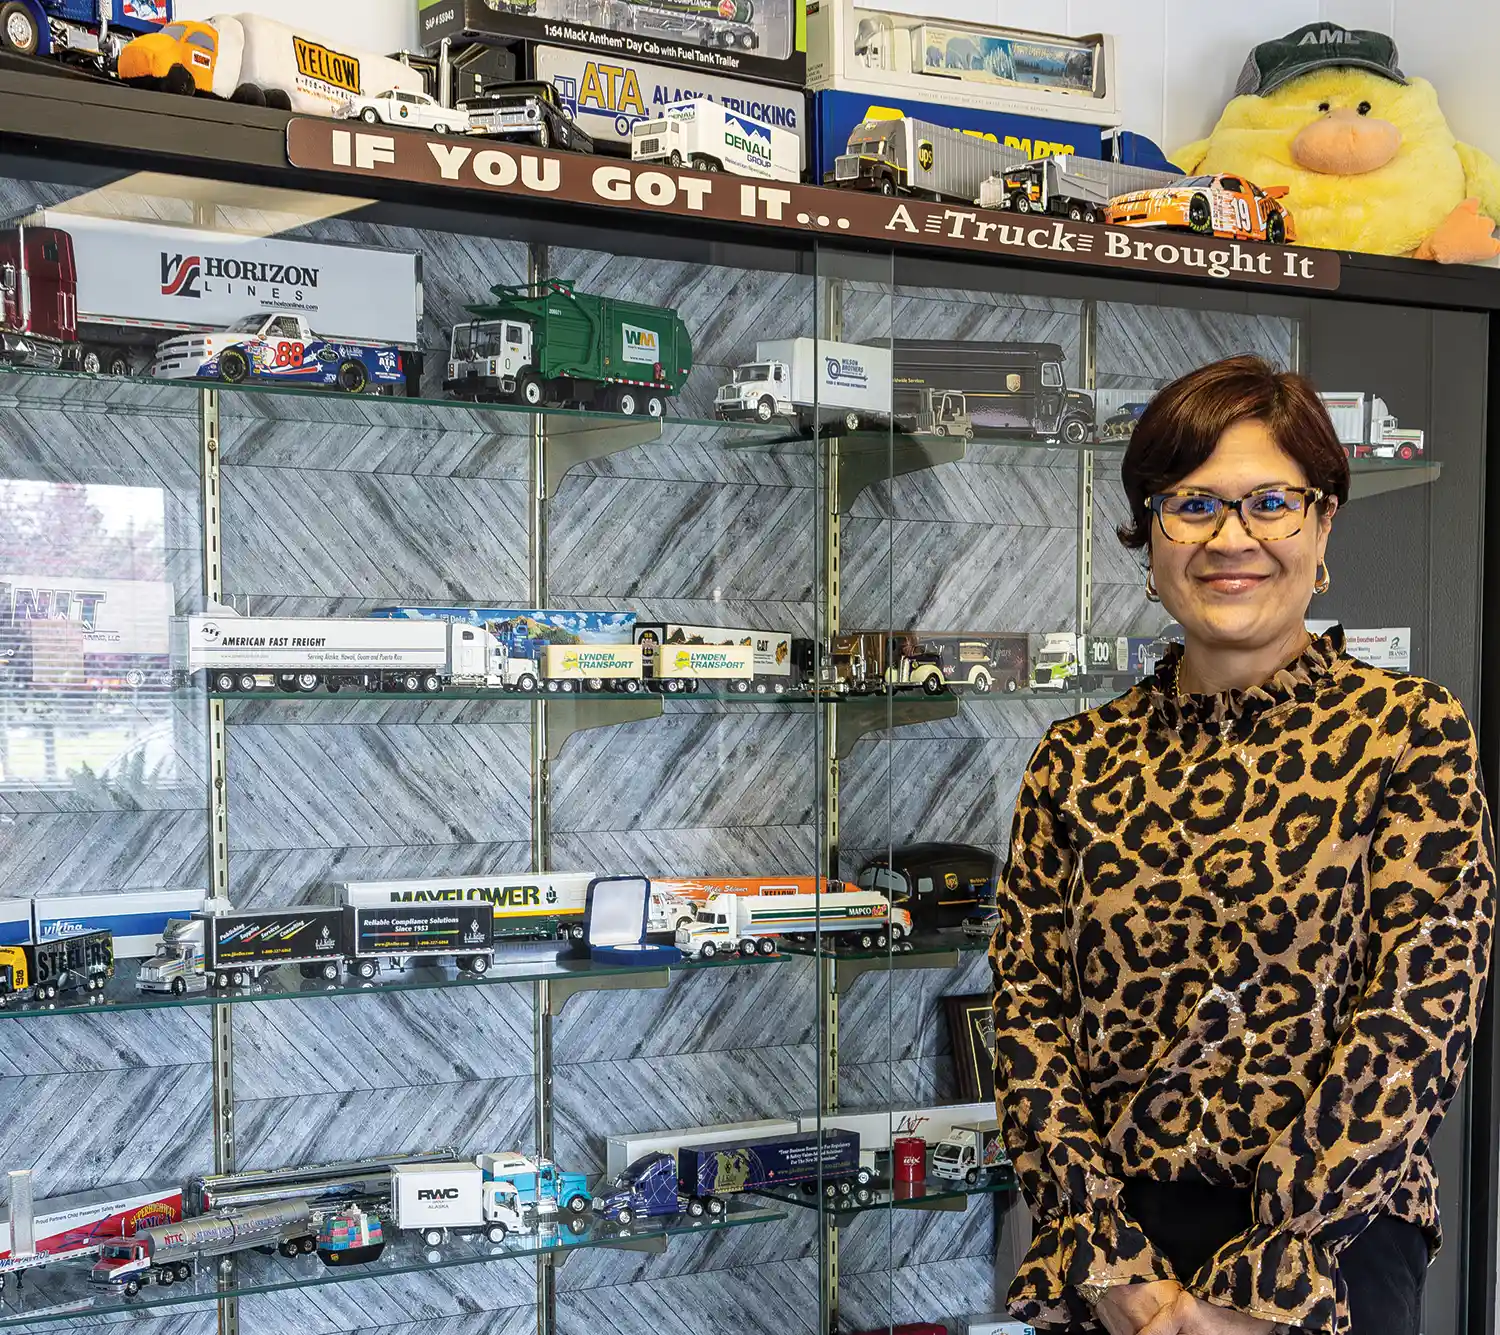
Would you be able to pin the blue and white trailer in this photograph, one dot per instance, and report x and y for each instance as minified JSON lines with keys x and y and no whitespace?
{"x":137,"y":919}
{"x":809,"y":1159}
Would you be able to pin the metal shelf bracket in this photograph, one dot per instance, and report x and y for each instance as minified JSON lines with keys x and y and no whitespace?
{"x":559,"y":990}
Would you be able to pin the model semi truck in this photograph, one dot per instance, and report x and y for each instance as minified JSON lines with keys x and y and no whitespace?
{"x":550,"y":904}
{"x":711,"y":137}
{"x":1067,"y":185}
{"x":903,"y":156}
{"x":169,"y":1253}
{"x":808,"y":382}
{"x":99,"y":295}
{"x":750,"y":924}
{"x":550,"y":345}
{"x":1065,"y":661}
{"x":827,"y":1160}
{"x":236,"y":949}
{"x":44,"y":970}
{"x":780,"y":661}
{"x":256,"y":60}
{"x":34,"y":1234}
{"x":1365,"y":426}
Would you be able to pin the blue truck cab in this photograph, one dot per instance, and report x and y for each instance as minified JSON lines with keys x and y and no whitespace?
{"x":87,"y":30}
{"x":541,"y":1187}
{"x":647,"y":1189}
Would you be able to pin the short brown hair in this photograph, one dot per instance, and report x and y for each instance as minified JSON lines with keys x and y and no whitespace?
{"x":1182,"y":425}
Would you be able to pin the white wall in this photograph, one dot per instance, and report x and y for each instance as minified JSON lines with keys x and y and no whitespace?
{"x":1179,"y":59}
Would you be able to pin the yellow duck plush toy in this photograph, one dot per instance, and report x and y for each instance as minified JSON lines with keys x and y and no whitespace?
{"x":1367,"y":154}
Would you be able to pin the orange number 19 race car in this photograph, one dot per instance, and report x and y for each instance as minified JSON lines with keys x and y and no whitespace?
{"x":1225,"y":206}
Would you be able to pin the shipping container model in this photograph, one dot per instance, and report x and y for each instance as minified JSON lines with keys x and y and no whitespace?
{"x":45,"y":970}
{"x":828,"y":1161}
{"x":550,"y":904}
{"x":399,"y":935}
{"x":550,"y":345}
{"x":904,"y":156}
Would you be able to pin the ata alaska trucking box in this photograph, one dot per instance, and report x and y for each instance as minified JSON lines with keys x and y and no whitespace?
{"x":754,"y":39}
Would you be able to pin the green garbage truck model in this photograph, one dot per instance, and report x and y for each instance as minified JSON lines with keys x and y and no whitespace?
{"x":549,"y":346}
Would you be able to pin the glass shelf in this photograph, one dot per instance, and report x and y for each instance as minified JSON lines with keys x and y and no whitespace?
{"x":910,"y":954}
{"x":286,"y":984}
{"x":301,"y":399}
{"x":62,"y":1293}
{"x":791,"y":698}
{"x":933,"y":1193}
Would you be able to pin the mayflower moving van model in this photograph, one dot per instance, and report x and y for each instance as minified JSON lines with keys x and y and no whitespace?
{"x":706,"y":135}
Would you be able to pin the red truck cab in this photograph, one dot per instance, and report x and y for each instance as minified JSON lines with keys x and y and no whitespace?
{"x":38,"y":296}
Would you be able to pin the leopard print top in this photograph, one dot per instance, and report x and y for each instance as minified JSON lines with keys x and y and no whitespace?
{"x":1243,"y":940}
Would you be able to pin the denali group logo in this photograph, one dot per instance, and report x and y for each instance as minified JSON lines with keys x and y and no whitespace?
{"x":184,"y":275}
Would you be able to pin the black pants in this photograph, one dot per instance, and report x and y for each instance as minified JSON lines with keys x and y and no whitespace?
{"x":1383,"y":1269}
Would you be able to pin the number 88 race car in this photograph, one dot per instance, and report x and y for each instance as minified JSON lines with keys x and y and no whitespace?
{"x":1226,"y":206}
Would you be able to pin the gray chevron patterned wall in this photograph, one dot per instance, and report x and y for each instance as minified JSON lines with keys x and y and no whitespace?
{"x":333,"y":506}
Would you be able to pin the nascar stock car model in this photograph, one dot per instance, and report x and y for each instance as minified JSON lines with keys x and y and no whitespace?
{"x":1223,"y":205}
{"x":279,"y":347}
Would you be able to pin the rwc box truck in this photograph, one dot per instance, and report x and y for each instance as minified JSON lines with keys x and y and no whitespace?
{"x":549,"y":345}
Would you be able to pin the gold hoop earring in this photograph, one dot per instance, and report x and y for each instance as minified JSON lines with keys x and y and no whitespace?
{"x":1151,"y":594}
{"x":1324,"y":580}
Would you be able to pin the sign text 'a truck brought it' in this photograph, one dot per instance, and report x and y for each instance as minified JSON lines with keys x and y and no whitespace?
{"x":315,"y":144}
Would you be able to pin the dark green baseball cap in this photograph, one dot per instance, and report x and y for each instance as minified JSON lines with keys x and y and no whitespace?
{"x":1317,"y":46}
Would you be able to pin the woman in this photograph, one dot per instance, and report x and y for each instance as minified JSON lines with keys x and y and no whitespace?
{"x":1245,"y":926}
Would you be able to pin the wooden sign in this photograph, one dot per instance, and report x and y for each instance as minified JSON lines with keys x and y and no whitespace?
{"x":518,"y":172}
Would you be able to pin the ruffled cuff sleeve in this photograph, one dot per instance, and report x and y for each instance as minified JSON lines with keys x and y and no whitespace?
{"x":1275,"y":1274}
{"x":1075,"y":1254}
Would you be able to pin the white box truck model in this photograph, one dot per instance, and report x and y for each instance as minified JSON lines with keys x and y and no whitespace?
{"x":302,"y":653}
{"x":130,"y":286}
{"x":970,"y":1153}
{"x":707,"y":135}
{"x":802,"y":380}
{"x":251,"y":59}
{"x":1366,"y":426}
{"x":750,"y":923}
{"x":439,"y":1198}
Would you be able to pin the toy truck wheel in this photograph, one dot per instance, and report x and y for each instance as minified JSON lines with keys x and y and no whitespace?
{"x":932,"y":684}
{"x":715,"y":1207}
{"x":224,"y":681}
{"x":626,"y":403}
{"x":526,"y":682}
{"x":765,"y":410}
{"x":365,"y":969}
{"x":179,"y":986}
{"x":851,"y":421}
{"x":234,"y":366}
{"x":329,"y":970}
{"x":132,"y":1287}
{"x":1200,"y":214}
{"x":972,"y":1177}
{"x":1075,"y":431}
{"x":249,"y":95}
{"x":529,"y":390}
{"x":370,"y":116}
{"x":432,"y":682}
{"x":163,"y":1276}
{"x":543,"y":134}
{"x":625,"y":1217}
{"x":18,"y":29}
{"x":593,"y":684}
{"x":630,"y":686}
{"x":982,"y":683}
{"x":353,"y":377}
{"x":1276,"y":230}
{"x":433,"y":1237}
{"x":747,"y":947}
{"x":307,"y":681}
{"x":886,"y":186}
{"x":709,"y":950}
{"x":866,"y":941}
{"x":278,"y":99}
{"x":179,"y":81}
{"x":1406,"y":451}
{"x":577,"y":1204}
{"x":695,"y":1208}
{"x":766,"y":946}
{"x":1075,"y":213}
{"x":411,"y":682}
{"x":881,"y":941}
{"x":495,"y":1233}
{"x":246,"y":681}
{"x":478,"y":964}
{"x":656,"y":406}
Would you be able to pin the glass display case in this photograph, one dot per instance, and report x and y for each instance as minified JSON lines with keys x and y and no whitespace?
{"x":836,"y":525}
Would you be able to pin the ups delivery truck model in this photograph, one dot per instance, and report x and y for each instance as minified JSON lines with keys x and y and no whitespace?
{"x":44,"y":970}
{"x":1012,"y":390}
{"x":902,"y":156}
{"x":707,"y":1173}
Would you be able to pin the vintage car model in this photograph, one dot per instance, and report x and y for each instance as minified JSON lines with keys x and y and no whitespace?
{"x":1227,"y":206}
{"x":397,"y":107}
{"x":1121,"y":422}
{"x":528,"y":111}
